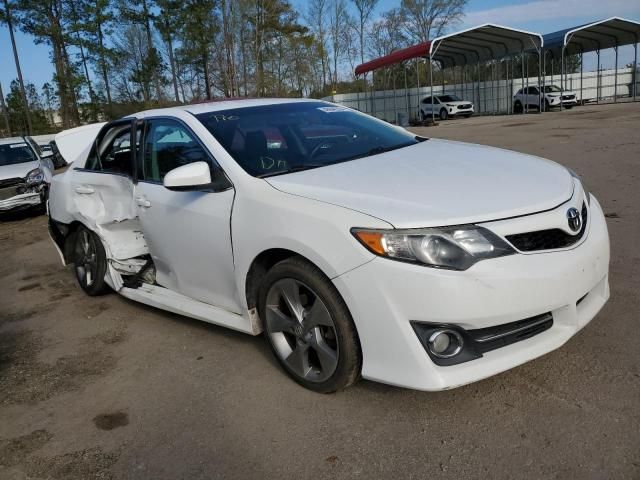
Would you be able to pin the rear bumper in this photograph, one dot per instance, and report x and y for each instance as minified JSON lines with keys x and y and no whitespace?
{"x":385,"y":296}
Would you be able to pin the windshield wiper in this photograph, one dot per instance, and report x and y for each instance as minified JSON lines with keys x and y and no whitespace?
{"x":297,"y":168}
{"x":376,"y":151}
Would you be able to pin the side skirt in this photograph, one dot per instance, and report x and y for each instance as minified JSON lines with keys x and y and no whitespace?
{"x":171,"y":301}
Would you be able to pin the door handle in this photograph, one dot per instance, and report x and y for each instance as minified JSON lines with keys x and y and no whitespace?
{"x":85,"y":190}
{"x":143,"y":202}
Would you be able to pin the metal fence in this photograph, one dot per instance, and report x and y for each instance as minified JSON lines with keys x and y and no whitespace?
{"x":492,"y":97}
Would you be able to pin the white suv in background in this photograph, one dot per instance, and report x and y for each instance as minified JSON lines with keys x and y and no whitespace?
{"x":445,"y":106}
{"x":533,"y":98}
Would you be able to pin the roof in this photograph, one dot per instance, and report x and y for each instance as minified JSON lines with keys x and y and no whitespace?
{"x":220,"y":104}
{"x":226,"y":104}
{"x":10,"y":140}
{"x":594,"y":36}
{"x":397,"y":56}
{"x":483,"y":43}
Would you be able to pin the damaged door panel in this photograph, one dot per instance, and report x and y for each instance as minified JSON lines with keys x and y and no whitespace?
{"x":179,"y":225}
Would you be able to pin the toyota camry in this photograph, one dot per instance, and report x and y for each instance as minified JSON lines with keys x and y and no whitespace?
{"x":357,"y":248}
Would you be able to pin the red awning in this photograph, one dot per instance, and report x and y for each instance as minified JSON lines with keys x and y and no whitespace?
{"x":415,"y":51}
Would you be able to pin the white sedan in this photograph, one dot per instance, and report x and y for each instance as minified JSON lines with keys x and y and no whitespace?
{"x":25,"y":174}
{"x":358,"y":248}
{"x":445,"y":106}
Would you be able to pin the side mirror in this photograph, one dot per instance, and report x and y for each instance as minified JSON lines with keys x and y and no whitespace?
{"x":192,"y":177}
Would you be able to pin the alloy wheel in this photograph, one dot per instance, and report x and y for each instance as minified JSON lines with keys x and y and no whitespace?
{"x":86,"y":258}
{"x":301,"y":330}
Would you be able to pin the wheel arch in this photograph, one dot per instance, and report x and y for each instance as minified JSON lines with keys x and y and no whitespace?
{"x":63,"y":235}
{"x":259,"y":267}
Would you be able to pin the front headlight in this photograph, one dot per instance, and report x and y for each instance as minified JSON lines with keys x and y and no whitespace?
{"x":34,"y":176}
{"x":454,"y":248}
{"x":587,"y":191}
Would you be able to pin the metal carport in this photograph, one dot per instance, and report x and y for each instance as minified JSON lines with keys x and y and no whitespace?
{"x":594,"y":37}
{"x":482,"y":44}
{"x":472,"y":46}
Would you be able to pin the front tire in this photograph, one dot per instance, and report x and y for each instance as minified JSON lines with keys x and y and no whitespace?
{"x":90,"y":262}
{"x":308,"y":326}
{"x":517,"y":107}
{"x":444,"y":114}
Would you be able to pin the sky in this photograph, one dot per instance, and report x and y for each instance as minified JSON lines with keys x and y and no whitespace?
{"x":543,"y":16}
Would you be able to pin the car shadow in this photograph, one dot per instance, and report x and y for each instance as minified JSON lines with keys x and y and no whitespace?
{"x":21,"y":214}
{"x":257,"y":341}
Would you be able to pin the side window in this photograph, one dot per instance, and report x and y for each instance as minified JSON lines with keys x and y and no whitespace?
{"x":533,"y":91}
{"x":113,"y":154}
{"x":168,"y":145}
{"x":426,"y":101}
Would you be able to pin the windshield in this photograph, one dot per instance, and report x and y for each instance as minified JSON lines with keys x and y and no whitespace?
{"x":551,"y":88}
{"x":449,"y":98}
{"x":277,"y":139}
{"x":13,"y":153}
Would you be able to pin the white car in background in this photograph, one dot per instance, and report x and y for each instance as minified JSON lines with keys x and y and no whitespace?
{"x":531,"y":98}
{"x":358,"y":248}
{"x":445,"y":106}
{"x":25,"y":174}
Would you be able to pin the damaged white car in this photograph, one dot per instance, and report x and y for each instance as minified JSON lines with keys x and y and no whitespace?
{"x":358,"y":248}
{"x":25,"y":174}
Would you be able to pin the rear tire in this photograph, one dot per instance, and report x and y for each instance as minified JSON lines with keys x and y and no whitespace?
{"x":308,"y":327}
{"x":90,"y":262}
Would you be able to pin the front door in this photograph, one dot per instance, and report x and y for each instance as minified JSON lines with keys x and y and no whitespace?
{"x":102,"y":190}
{"x":187,"y":233}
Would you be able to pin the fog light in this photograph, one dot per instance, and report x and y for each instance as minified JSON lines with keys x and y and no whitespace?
{"x":445,"y":343}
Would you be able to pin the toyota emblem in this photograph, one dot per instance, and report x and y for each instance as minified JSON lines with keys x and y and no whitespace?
{"x":574,"y":219}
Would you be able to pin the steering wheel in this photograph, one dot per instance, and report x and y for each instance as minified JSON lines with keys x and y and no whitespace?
{"x":318,"y":147}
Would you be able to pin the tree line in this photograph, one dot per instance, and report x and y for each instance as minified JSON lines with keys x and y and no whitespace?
{"x":113,"y":57}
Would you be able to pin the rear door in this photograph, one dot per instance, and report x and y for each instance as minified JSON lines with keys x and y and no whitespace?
{"x":534,"y":97}
{"x":426,"y":105}
{"x":102,"y":190}
{"x":188,"y":233}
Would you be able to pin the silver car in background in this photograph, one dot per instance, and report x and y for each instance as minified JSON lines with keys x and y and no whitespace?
{"x":25,"y":174}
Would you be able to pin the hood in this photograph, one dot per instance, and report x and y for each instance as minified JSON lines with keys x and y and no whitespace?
{"x":458,"y":102}
{"x":75,"y":143}
{"x":436,"y":183}
{"x":557,"y":94}
{"x":18,"y":170}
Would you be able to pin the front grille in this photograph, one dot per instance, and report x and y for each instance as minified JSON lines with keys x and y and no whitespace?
{"x":11,"y":192}
{"x":482,"y":340}
{"x":568,"y":97}
{"x":491,"y":338}
{"x":10,"y":182}
{"x":548,"y":239}
{"x":464,"y":107}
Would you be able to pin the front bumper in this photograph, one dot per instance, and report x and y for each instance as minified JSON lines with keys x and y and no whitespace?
{"x":25,"y":200}
{"x":455,"y":111}
{"x":385,"y":296}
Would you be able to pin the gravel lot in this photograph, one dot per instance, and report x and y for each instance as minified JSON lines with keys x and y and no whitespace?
{"x":107,"y":388}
